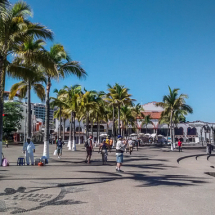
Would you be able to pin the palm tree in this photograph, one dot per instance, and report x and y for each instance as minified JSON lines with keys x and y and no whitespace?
{"x":65,"y":66}
{"x":126,"y":117}
{"x":24,"y":64}
{"x":136,"y":112}
{"x":57,"y":102}
{"x":14,"y":29}
{"x":71,"y":98}
{"x":119,"y":94}
{"x":24,"y":87}
{"x":63,"y":114}
{"x":87,"y":103}
{"x":147,"y":120}
{"x":172,"y":103}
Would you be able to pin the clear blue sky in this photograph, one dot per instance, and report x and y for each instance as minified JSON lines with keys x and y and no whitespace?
{"x":145,"y":45}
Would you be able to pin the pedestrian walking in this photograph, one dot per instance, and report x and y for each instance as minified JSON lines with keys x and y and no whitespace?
{"x":179,"y":145}
{"x":210,"y":148}
{"x":111,"y":143}
{"x":29,"y":150}
{"x":89,"y":148}
{"x":103,"y":149}
{"x":130,"y":145}
{"x":120,"y":147}
{"x":59,"y":147}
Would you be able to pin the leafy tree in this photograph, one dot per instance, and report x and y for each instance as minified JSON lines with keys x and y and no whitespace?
{"x":119,"y":95}
{"x":147,"y":120}
{"x":64,"y":66}
{"x":14,"y":29}
{"x":173,"y":103}
{"x":13,"y":116}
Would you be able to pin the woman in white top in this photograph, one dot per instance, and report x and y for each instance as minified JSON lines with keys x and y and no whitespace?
{"x":120,"y":147}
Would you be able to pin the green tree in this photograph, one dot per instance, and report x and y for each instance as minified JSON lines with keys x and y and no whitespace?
{"x":14,"y":29}
{"x":65,"y":66}
{"x":171,"y":104}
{"x":147,"y":120}
{"x":119,"y":95}
{"x":71,"y":98}
{"x":12,"y":117}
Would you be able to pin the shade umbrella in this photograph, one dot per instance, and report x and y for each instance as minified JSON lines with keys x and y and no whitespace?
{"x":133,"y":134}
{"x":160,"y":135}
{"x":153,"y":135}
{"x":103,"y":135}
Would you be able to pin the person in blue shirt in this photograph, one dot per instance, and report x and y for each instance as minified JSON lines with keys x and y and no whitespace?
{"x":59,"y":147}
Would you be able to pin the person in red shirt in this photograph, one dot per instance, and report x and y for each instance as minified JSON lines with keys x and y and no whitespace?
{"x":179,"y":145}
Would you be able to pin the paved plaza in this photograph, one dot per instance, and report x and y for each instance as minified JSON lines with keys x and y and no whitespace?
{"x":152,"y":183}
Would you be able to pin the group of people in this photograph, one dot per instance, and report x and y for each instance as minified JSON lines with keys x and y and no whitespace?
{"x":104,"y":147}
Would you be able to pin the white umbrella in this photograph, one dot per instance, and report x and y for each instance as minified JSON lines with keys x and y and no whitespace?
{"x":147,"y":134}
{"x":103,"y":135}
{"x":133,"y":134}
{"x":153,"y":135}
{"x":160,"y":135}
{"x":141,"y":134}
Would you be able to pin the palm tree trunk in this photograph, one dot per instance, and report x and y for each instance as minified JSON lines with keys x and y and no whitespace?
{"x":70,"y":135}
{"x":74,"y":139}
{"x":60,"y":123}
{"x":97,"y":121}
{"x":171,"y":131}
{"x":29,"y":109}
{"x":64,"y":122}
{"x":87,"y":126}
{"x":146,"y":128}
{"x":119,"y":132}
{"x":173,"y":135}
{"x":79,"y":129}
{"x":1,"y":104}
{"x":47,"y":109}
{"x":113,"y":128}
{"x":91,"y":127}
{"x":99,"y":133}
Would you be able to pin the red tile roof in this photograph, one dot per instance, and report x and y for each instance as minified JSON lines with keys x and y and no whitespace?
{"x":153,"y":114}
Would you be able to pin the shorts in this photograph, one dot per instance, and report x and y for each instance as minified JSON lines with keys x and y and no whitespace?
{"x":59,"y":150}
{"x":119,"y":158}
{"x":89,"y":151}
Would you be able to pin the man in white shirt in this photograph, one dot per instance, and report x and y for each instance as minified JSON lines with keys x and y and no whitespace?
{"x":29,"y":149}
{"x":120,"y":147}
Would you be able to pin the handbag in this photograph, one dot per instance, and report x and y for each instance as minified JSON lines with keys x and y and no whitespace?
{"x":55,"y":152}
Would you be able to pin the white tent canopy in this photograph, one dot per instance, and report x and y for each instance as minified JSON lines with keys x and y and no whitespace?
{"x":133,"y":134}
{"x":103,"y":135}
{"x":153,"y":135}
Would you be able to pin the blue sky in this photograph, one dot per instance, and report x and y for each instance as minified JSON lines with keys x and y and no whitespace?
{"x":145,"y":45}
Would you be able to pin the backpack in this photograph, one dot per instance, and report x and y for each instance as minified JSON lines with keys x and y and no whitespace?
{"x":86,"y":143}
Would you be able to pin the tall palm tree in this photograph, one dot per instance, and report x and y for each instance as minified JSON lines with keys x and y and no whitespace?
{"x":22,"y":63}
{"x":172,"y":103}
{"x":57,"y":102}
{"x":63,"y":114}
{"x":126,"y":117}
{"x":136,"y":112}
{"x":87,"y":103}
{"x":71,"y":98}
{"x":147,"y":120}
{"x":14,"y":29}
{"x":65,"y":66}
{"x":23,"y":89}
{"x":119,"y":94}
